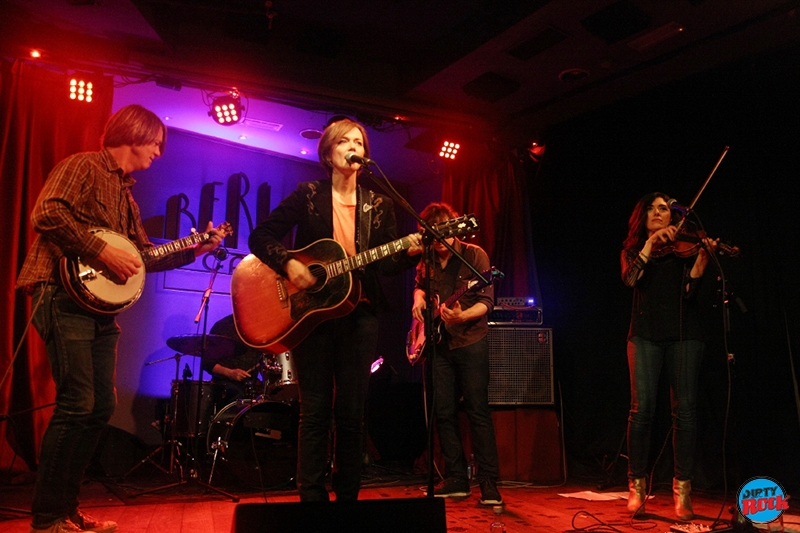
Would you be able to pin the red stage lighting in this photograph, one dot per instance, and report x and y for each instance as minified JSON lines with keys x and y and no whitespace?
{"x":449,"y":150}
{"x":80,"y":90}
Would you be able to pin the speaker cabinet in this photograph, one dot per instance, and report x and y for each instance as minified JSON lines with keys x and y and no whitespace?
{"x":402,"y":515}
{"x":521,"y":366}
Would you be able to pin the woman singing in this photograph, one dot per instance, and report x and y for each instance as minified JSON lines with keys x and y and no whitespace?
{"x":665,"y":333}
{"x":333,"y":362}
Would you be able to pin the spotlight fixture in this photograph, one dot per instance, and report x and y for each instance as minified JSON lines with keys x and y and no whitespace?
{"x":80,"y":90}
{"x":227,"y":110}
{"x":449,"y":150}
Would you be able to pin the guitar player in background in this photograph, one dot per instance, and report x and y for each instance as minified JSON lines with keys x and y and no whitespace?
{"x":461,"y":366}
{"x":332,"y":363}
{"x":86,"y":190}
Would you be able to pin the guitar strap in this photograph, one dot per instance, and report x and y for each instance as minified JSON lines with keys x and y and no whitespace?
{"x":366,"y":199}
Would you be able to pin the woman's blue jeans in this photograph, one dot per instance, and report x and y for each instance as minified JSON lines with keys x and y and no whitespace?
{"x":681,"y":360}
{"x":82,"y":349}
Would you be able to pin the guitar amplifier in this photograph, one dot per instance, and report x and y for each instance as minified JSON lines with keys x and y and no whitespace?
{"x":520,"y":366}
{"x":504,"y":315}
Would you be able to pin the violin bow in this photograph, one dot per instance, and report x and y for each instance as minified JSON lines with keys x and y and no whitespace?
{"x":702,"y":188}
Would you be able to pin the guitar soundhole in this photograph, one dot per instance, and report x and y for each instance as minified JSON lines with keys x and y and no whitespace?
{"x":318,"y":271}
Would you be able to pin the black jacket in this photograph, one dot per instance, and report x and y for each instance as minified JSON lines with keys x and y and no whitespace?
{"x":309,"y":208}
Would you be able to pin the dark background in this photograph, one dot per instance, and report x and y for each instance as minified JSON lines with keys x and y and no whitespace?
{"x":594,"y":170}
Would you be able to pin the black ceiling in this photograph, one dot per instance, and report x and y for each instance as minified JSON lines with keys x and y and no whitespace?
{"x":505,"y":68}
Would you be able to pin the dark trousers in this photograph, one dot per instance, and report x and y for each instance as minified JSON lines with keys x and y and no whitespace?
{"x":333,"y":368}
{"x":456,"y":373}
{"x":82,"y":349}
{"x":681,"y":360}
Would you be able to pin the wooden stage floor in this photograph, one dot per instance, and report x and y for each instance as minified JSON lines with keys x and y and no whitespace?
{"x":192,"y":508}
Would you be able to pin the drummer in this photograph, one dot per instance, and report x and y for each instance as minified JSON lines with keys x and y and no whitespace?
{"x":238,"y":373}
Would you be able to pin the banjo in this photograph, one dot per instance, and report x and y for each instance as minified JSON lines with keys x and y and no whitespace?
{"x":91,"y":284}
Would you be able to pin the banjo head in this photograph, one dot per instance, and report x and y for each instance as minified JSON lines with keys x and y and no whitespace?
{"x":104,"y":285}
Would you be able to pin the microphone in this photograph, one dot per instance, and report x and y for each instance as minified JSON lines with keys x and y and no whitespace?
{"x":352,"y":157}
{"x":220,"y":253}
{"x":673,"y":204}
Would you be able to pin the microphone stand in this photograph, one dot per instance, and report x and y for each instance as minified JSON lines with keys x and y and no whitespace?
{"x":428,"y":237}
{"x":220,"y":255}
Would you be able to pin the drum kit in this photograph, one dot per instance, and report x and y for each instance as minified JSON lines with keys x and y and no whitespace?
{"x":253,"y":437}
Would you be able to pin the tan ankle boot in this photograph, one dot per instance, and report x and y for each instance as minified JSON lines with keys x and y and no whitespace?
{"x":680,"y":494}
{"x":637,"y":495}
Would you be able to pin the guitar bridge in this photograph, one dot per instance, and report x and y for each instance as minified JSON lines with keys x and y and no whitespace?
{"x":283,"y":292}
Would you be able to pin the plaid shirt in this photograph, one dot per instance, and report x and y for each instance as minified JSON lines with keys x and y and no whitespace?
{"x":85,"y":191}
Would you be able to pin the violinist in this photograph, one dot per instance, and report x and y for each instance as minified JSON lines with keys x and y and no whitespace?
{"x":665,"y":334}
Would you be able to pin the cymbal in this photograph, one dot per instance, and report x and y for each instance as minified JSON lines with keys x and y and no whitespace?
{"x":217,"y":346}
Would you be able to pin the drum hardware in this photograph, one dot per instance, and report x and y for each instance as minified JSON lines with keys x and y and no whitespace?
{"x":217,"y":347}
{"x":256,"y":440}
{"x":218,"y":446}
{"x":170,"y":418}
{"x":206,"y":347}
{"x":284,"y":388}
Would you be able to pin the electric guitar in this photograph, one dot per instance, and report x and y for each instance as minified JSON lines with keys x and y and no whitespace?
{"x":416,"y":342}
{"x":272,"y":314}
{"x":91,"y":284}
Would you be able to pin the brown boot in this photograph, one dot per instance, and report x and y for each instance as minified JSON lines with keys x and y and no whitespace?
{"x":680,"y":494}
{"x":637,"y":495}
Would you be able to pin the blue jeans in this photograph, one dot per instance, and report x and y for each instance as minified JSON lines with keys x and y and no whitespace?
{"x":333,"y":367}
{"x":456,"y":373}
{"x":682,"y":362}
{"x":82,"y":349}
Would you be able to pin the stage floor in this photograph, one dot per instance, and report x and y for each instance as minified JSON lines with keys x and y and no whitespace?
{"x":192,"y":508}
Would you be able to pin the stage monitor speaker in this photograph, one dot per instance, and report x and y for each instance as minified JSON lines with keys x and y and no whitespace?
{"x":520,"y":366}
{"x":406,"y":515}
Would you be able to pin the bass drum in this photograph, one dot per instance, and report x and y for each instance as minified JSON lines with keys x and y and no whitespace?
{"x":256,"y":441}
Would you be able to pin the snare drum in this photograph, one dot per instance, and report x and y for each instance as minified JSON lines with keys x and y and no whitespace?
{"x":256,"y":441}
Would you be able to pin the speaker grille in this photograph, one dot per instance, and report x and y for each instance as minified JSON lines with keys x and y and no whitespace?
{"x":521,"y":366}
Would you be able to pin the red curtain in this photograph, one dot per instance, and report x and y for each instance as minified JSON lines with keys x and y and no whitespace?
{"x":39,"y":126}
{"x":491,"y":184}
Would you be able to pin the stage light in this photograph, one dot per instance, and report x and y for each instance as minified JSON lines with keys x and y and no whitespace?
{"x":81,"y":90}
{"x":449,"y":150}
{"x":227,"y":110}
{"x":36,"y":54}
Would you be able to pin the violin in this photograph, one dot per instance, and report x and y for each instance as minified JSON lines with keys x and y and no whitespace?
{"x":688,"y":244}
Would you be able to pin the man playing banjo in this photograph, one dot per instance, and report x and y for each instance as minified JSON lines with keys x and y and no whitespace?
{"x":86,"y":191}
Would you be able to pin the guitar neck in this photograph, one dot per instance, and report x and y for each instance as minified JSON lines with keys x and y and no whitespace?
{"x":176,"y":245}
{"x":475,"y":284}
{"x":459,"y":293}
{"x":354,"y":262}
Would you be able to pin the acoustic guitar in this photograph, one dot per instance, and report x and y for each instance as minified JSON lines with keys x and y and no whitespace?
{"x":94,"y":287}
{"x":273,"y":315}
{"x":416,"y":341}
